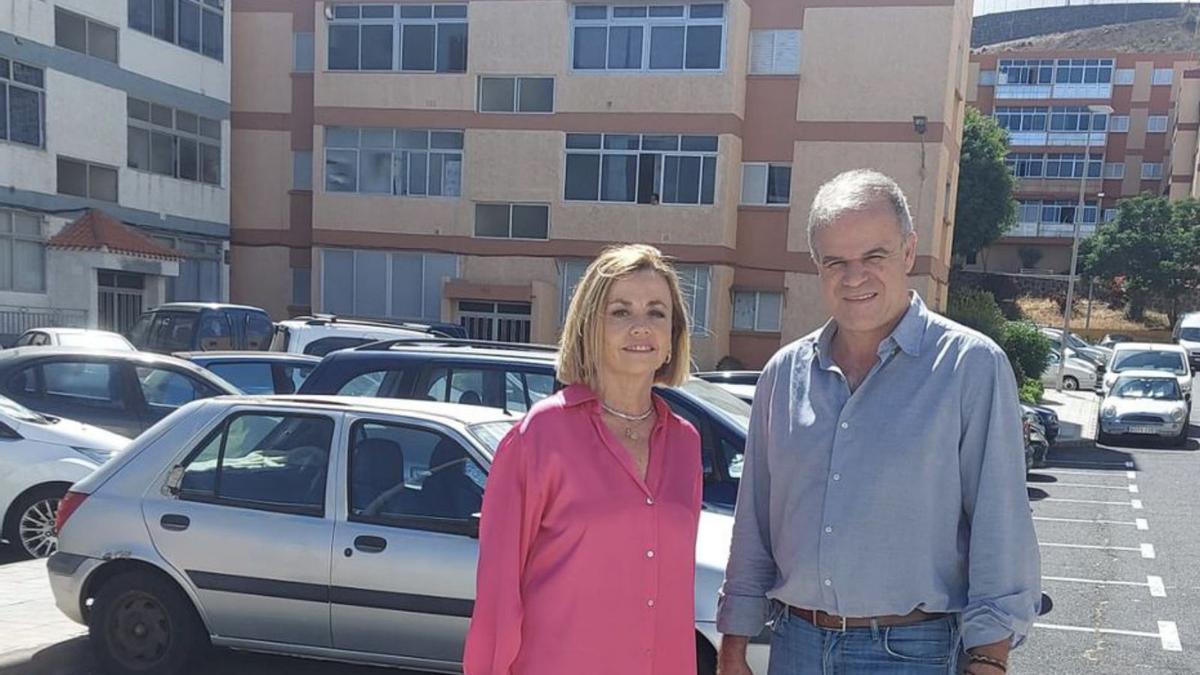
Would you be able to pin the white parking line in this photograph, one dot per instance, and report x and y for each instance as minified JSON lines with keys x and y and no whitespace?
{"x":1128,"y":465}
{"x":1141,"y":523}
{"x":1131,"y":475}
{"x":1157,"y":588}
{"x":1091,"y":501}
{"x":1133,"y":489}
{"x":1073,"y":472}
{"x":1137,"y":523}
{"x":1135,"y":503}
{"x":1101,"y":465}
{"x":1155,"y":584}
{"x":1093,"y":486}
{"x":1147,"y":550}
{"x":1168,"y":633}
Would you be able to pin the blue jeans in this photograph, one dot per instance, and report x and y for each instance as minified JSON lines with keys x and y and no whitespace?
{"x":800,"y":648}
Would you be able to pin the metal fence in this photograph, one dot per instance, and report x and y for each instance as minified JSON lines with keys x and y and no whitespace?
{"x":16,"y":320}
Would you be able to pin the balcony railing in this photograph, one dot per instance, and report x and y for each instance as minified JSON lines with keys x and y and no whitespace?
{"x":1047,"y":138}
{"x":1051,"y":91}
{"x":1049,"y":230}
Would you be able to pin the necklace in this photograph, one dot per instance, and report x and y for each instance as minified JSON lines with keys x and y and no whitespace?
{"x":630,"y":432}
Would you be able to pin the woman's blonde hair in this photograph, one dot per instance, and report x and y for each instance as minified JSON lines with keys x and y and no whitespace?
{"x":582,"y":340}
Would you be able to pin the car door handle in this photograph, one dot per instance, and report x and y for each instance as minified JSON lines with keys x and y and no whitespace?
{"x":368,"y":544}
{"x":175,"y":522}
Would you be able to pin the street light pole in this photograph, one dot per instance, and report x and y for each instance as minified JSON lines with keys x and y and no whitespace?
{"x":1087,"y":147}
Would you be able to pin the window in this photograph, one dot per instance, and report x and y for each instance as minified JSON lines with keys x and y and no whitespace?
{"x":1025,"y":71}
{"x":22,"y":103}
{"x":399,"y":162}
{"x":516,"y":94}
{"x":1070,"y":165}
{"x":1156,"y":124}
{"x":512,"y":221}
{"x":84,"y":179}
{"x":173,"y":331}
{"x":406,"y":286}
{"x":693,"y":281}
{"x":85,"y":36}
{"x":766,"y":183}
{"x":301,"y":286}
{"x":274,"y":462}
{"x":302,"y":52}
{"x":1119,"y":123}
{"x":405,"y":38}
{"x":1026,"y":164}
{"x":366,"y":384}
{"x":1083,"y":71}
{"x":1029,"y":211}
{"x":502,"y":321}
{"x":251,"y":378}
{"x":987,"y":78}
{"x":774,"y":52}
{"x":1076,"y":118}
{"x":163,"y":388}
{"x":93,"y":384}
{"x":173,"y":142}
{"x":1063,"y":212}
{"x":1114,"y":170}
{"x":1124,"y":76}
{"x":1152,"y":170}
{"x":1163,"y":76}
{"x":757,"y":311}
{"x":654,"y":38}
{"x":642,"y":169}
{"x":412,"y":477}
{"x":1110,"y":214}
{"x":1022,"y":119}
{"x":22,"y":253}
{"x":195,"y":25}
{"x":302,"y":169}
{"x":1057,"y":119}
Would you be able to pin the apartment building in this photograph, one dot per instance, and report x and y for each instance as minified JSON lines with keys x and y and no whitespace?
{"x":462,"y":161}
{"x":114,"y":147}
{"x":1114,"y":120}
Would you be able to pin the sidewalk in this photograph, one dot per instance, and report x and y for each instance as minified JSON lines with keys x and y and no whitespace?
{"x":28,"y":617}
{"x":1077,"y":414}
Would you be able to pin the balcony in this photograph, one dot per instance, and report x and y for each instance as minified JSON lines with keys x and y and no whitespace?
{"x":1053,"y":91}
{"x":1057,"y":138}
{"x":1058,"y":230}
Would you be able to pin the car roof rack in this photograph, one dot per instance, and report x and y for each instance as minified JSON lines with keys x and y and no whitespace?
{"x":384,"y":345}
{"x":325,"y":319}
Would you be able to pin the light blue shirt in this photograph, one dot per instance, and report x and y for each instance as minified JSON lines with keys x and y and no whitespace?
{"x":908,"y":493}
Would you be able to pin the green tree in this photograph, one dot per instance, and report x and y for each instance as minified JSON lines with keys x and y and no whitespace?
{"x":1027,"y":348}
{"x":977,"y":309}
{"x":985,"y":209}
{"x":1154,"y":245}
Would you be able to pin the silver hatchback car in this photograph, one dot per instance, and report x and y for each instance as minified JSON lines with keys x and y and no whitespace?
{"x":327,"y":527}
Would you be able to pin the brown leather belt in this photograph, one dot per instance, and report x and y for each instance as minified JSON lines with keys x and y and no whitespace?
{"x":840,"y":623}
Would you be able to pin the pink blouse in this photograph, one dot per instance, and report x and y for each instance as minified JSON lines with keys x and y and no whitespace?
{"x":584,"y":568}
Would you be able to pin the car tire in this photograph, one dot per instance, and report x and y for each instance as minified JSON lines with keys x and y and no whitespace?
{"x":34,"y":511}
{"x":1181,"y":440}
{"x":1070,"y":383}
{"x":142,"y":623}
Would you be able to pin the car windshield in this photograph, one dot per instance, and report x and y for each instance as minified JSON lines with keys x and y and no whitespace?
{"x":19,"y":412}
{"x":724,"y":403}
{"x":93,"y":340}
{"x":1191,"y":333}
{"x":1150,"y":360}
{"x":491,"y":433}
{"x":1157,"y":388}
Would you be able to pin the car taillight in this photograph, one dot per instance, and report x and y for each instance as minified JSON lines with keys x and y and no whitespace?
{"x":66,"y":506}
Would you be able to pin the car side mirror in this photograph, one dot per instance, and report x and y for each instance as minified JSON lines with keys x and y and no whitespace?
{"x":174,"y":481}
{"x":473,"y":526}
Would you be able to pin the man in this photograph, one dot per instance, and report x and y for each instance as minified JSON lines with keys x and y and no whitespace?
{"x":882,"y":522}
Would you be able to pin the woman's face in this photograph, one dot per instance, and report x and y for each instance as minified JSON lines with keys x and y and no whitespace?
{"x":636,"y":326}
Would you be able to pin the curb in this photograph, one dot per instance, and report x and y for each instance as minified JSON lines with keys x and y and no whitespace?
{"x":1074,"y":443}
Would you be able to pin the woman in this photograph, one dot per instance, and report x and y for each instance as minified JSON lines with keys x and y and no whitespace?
{"x":587,"y":544}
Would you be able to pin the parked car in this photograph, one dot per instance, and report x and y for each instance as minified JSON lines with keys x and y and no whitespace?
{"x":320,"y":335}
{"x":1150,"y":356}
{"x":327,"y":527}
{"x":1036,"y":444}
{"x":40,"y":457}
{"x":1078,"y":374}
{"x":73,"y":337}
{"x":1187,"y":335}
{"x":1049,"y":421}
{"x":1111,"y":339}
{"x":200,"y":326}
{"x":1098,"y":355}
{"x":740,"y":383}
{"x":1144,"y":404}
{"x":123,"y":392}
{"x":513,"y":377}
{"x":257,"y":372}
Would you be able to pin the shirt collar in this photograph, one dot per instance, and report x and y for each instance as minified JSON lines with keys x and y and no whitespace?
{"x":579,"y":394}
{"x":907,"y":335}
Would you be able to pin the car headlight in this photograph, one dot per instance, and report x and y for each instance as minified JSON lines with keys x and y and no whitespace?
{"x":95,"y":454}
{"x":1178,"y":414}
{"x":1109,"y":411}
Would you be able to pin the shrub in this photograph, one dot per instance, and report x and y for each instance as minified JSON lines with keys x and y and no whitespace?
{"x":977,"y":309}
{"x":1027,"y":348}
{"x":1031,"y":391}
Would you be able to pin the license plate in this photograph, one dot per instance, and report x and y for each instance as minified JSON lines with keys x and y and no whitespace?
{"x":1142,"y":429}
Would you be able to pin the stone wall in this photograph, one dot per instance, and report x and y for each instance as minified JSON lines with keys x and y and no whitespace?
{"x":993,"y":28}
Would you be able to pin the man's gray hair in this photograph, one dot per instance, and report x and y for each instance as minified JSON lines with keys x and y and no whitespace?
{"x":854,"y":192}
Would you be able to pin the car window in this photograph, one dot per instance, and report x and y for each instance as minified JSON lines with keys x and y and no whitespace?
{"x":1150,"y":360}
{"x":491,"y":433}
{"x":332,"y":344}
{"x":400,"y":472}
{"x":250,"y":378}
{"x":514,"y":393}
{"x":167,"y":388}
{"x":271,"y":461}
{"x":173,"y":331}
{"x":1145,"y":387}
{"x":538,"y":386}
{"x":719,"y":401}
{"x":259,"y":331}
{"x":25,"y":381}
{"x":92,"y":383}
{"x":141,"y":330}
{"x":1190,"y":333}
{"x":216,"y":332}
{"x":291,"y":376}
{"x":459,"y":385}
{"x":366,"y":384}
{"x":25,"y":339}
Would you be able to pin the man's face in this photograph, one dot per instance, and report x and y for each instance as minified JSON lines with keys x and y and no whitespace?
{"x":863,"y":262}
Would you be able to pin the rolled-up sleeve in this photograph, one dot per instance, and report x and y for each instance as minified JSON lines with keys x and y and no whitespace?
{"x":743,"y":607}
{"x":1004,"y":577}
{"x":512,"y":508}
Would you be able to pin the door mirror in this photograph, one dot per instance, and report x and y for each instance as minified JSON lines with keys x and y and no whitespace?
{"x":174,"y":480}
{"x":473,"y":526}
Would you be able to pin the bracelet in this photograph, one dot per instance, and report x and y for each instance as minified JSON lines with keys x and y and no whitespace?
{"x":989,"y":661}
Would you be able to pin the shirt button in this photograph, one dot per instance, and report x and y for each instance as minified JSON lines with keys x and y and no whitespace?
{"x":828,"y":530}
{"x":829,"y":582}
{"x":649,"y":554}
{"x":845,"y":425}
{"x":837,"y":476}
{"x":649,"y":501}
{"x":649,"y":603}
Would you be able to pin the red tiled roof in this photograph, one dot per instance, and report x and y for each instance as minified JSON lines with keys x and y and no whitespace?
{"x":98,"y":231}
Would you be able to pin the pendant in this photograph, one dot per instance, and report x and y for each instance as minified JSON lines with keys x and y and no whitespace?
{"x":631,"y":434}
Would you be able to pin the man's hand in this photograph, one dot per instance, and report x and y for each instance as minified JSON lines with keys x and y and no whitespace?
{"x":996,"y":650}
{"x":732,"y":658}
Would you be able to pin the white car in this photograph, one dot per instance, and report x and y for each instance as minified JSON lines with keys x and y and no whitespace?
{"x":40,"y":457}
{"x":73,"y":337}
{"x":319,"y":335}
{"x":1077,"y":374}
{"x":1187,"y":334}
{"x":1144,"y":403}
{"x":1166,"y":358}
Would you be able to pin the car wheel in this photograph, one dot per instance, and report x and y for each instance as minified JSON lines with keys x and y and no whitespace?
{"x":142,"y":623}
{"x":30,"y":525}
{"x":1070,"y":383}
{"x":1181,"y":440}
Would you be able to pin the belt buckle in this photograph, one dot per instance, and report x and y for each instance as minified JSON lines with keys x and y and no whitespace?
{"x":842,"y":629}
{"x":841,"y":620}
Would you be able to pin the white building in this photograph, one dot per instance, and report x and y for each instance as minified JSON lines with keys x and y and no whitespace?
{"x":123,"y":107}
